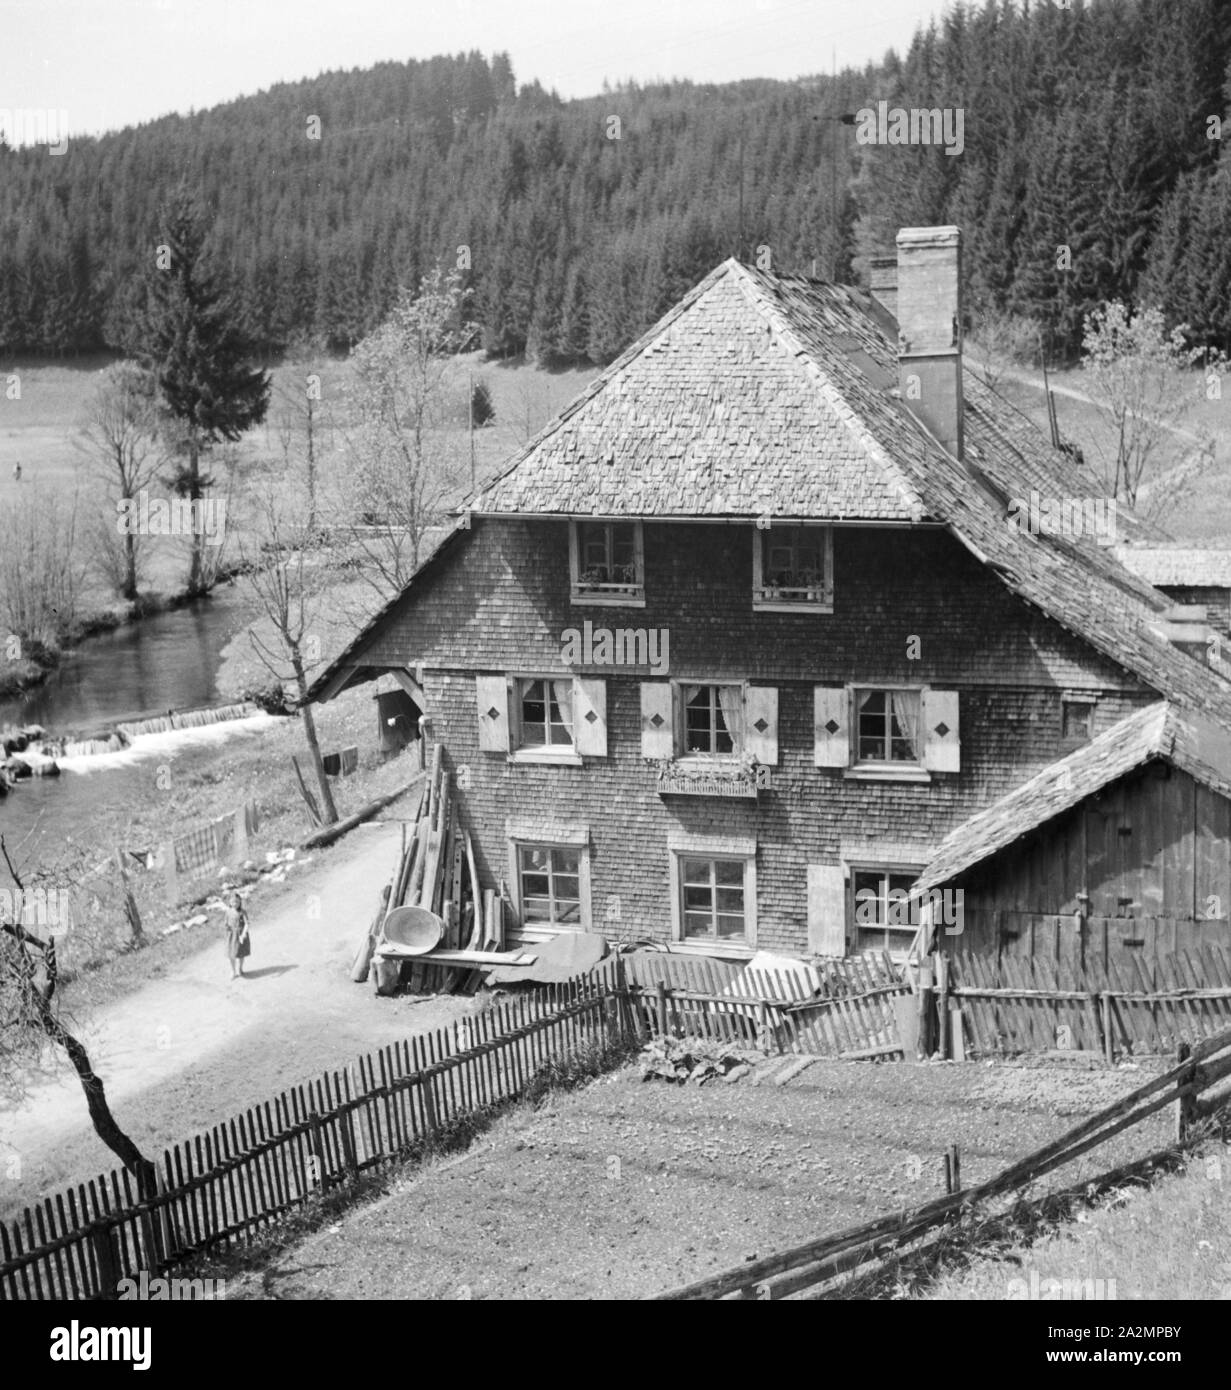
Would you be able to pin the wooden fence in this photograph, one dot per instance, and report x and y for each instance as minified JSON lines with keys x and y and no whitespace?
{"x":244,"y":1175}
{"x":855,"y":1010}
{"x":814,"y":1269}
{"x":1003,"y":1004}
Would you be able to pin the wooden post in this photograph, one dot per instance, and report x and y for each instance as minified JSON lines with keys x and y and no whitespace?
{"x":942,"y":1003}
{"x":241,"y":834}
{"x":167,"y":854}
{"x":104,"y":1257}
{"x":955,"y":1168}
{"x":662,"y":1008}
{"x":1186,"y":1105}
{"x":957,"y":1038}
{"x":1105,"y":1022}
{"x":130,"y":903}
{"x":924,"y":1007}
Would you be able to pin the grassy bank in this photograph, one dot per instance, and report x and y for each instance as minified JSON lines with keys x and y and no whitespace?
{"x":188,"y":790}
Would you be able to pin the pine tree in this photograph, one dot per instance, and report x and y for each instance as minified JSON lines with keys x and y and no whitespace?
{"x":198,"y":355}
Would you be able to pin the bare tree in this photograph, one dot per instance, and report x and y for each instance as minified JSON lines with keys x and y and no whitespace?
{"x":1141,"y":383}
{"x":287,"y":589}
{"x":409,"y":462}
{"x":41,"y":570}
{"x":121,"y":436}
{"x":30,"y":1016}
{"x":301,"y":422}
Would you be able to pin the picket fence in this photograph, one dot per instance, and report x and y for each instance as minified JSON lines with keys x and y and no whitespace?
{"x":222,"y":1187}
{"x":855,"y":1012}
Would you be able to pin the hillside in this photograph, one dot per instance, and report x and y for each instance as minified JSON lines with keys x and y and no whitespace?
{"x":582,"y":221}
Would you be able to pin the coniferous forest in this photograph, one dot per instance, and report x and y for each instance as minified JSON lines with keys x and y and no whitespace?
{"x":1097,"y":128}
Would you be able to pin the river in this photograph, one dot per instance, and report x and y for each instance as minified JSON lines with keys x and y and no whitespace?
{"x":167,"y":661}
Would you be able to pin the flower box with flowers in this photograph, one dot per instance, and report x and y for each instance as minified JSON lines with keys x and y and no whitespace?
{"x":710,"y":776}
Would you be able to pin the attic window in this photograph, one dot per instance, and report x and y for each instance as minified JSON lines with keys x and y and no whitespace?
{"x":607,"y":562}
{"x":792,"y":569}
{"x":1077,"y":718}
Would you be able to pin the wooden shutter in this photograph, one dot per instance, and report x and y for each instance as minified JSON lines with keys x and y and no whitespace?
{"x":942,"y":751}
{"x":657,"y":735}
{"x":761,"y":723}
{"x":826,"y":910}
{"x":590,"y":717}
{"x":831,"y":726}
{"x":492,"y":694}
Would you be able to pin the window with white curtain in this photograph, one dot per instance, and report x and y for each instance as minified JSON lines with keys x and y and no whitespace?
{"x":888,"y":726}
{"x":544,"y":710}
{"x":713,"y":720}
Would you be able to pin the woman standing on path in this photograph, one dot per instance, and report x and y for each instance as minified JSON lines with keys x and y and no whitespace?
{"x":239,"y":944}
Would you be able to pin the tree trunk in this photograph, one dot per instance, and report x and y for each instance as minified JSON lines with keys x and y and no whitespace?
{"x":130,"y":566}
{"x":314,"y":747}
{"x":195,"y":581}
{"x":101,"y":1118}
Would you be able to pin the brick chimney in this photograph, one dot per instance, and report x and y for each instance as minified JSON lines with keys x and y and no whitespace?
{"x":929,"y":314}
{"x":883,"y":281}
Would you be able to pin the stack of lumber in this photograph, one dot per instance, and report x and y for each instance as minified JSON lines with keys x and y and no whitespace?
{"x":436,"y":871}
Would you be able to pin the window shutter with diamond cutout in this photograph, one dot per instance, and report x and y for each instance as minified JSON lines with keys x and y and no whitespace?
{"x":492,"y":693}
{"x":657,"y":736}
{"x":590,"y":717}
{"x":761,"y":723}
{"x":831,"y":746}
{"x":942,"y":749}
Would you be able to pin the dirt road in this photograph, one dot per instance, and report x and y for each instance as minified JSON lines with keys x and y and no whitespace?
{"x":193,"y":1046}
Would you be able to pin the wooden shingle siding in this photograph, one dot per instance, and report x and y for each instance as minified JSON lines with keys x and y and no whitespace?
{"x":501,"y":602}
{"x":801,"y":821}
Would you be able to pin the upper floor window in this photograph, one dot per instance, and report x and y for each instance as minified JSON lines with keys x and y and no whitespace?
{"x":713,"y":720}
{"x":545,"y":713}
{"x":607,"y":562}
{"x":888,"y":726}
{"x":792,"y":568}
{"x":1077,"y":719}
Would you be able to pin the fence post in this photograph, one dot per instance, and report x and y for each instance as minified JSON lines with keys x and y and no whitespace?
{"x":104,"y":1256}
{"x":662,"y":1008}
{"x":318,"y":1149}
{"x":942,"y":1004}
{"x":923,"y":1043}
{"x":1109,"y":1037}
{"x":1186,"y":1105}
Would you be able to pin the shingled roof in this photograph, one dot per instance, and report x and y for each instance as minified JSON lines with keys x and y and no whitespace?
{"x":712,"y":413}
{"x":775,"y":395}
{"x":1186,"y":739}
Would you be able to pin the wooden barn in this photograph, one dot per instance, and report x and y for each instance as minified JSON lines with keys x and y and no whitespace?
{"x":1120,"y":850}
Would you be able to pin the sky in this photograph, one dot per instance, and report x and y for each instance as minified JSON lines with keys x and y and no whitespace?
{"x":111,"y":63}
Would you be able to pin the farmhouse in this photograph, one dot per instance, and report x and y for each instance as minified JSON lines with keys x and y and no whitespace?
{"x":877,"y":679}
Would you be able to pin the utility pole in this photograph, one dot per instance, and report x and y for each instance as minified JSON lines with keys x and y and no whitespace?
{"x":470,"y":416}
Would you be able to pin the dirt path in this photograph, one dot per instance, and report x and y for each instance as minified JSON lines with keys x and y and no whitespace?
{"x":192,"y":1046}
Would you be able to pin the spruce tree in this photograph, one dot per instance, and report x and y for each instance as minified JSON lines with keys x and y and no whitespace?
{"x":199,"y":356}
